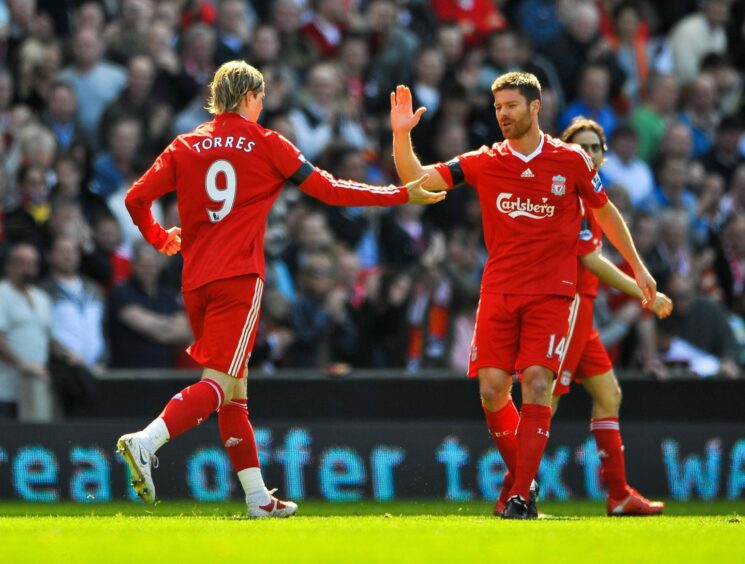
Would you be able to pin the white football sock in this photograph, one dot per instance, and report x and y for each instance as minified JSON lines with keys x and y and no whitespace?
{"x":253,"y":485}
{"x":155,"y":435}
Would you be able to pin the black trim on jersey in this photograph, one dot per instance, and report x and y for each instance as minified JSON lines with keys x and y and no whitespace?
{"x":302,"y":173}
{"x":456,"y":171}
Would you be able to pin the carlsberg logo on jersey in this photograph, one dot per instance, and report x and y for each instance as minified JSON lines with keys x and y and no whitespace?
{"x":524,"y":207}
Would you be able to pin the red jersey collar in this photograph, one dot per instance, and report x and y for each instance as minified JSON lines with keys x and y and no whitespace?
{"x":531,"y":156}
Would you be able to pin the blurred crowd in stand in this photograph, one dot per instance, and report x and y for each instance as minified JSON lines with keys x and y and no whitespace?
{"x":92,"y":91}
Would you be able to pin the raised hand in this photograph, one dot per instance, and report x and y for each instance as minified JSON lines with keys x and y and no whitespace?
{"x":403,"y":118}
{"x":418,"y":195}
{"x":173,"y":243}
{"x":662,"y":306}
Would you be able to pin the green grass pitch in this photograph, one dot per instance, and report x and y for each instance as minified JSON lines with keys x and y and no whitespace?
{"x":402,"y":531}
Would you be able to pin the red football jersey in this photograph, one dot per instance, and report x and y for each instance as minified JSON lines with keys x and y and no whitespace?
{"x":227,"y":174}
{"x":590,"y":239}
{"x":530,"y":212}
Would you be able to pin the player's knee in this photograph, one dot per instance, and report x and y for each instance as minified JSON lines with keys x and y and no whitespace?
{"x":609,"y":403}
{"x":494,"y":391}
{"x":539,"y":387}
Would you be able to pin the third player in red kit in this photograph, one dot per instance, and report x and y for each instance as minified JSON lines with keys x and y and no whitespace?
{"x":529,"y":187}
{"x":227,"y":173}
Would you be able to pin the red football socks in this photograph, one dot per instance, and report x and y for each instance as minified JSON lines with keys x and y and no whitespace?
{"x":191,"y":406}
{"x":607,"y":435}
{"x":238,"y":435}
{"x":502,"y":425}
{"x":532,"y":436}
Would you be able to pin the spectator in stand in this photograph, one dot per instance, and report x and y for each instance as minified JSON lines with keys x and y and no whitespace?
{"x":107,"y":262}
{"x":593,"y":101}
{"x":356,"y":227}
{"x":651,"y":119}
{"x":325,"y":116}
{"x":25,"y":335}
{"x":501,"y":57}
{"x":326,"y":26}
{"x":426,"y":91}
{"x":675,"y":242}
{"x":728,"y":79}
{"x":70,"y":187}
{"x":136,"y":102}
{"x":125,"y":35}
{"x":287,"y":18}
{"x":60,"y":117}
{"x":697,"y":35}
{"x":672,"y":190}
{"x":449,"y":40}
{"x":646,"y":234}
{"x":677,"y":143}
{"x":733,"y":203}
{"x":198,"y":45}
{"x":95,"y":81}
{"x":233,"y":31}
{"x":724,"y":156}
{"x":113,"y":169}
{"x":43,"y":76}
{"x":541,"y":19}
{"x":730,"y":263}
{"x":77,"y":329}
{"x":7,"y":87}
{"x":266,"y":47}
{"x":167,"y":86}
{"x":577,"y":47}
{"x":312,"y":237}
{"x":393,"y":51}
{"x":146,"y":319}
{"x":24,"y":222}
{"x":477,"y":18}
{"x":700,"y":334}
{"x":623,"y":167}
{"x":700,"y":112}
{"x":630,"y":46}
{"x":404,"y":237}
{"x":320,"y":318}
{"x":384,"y":329}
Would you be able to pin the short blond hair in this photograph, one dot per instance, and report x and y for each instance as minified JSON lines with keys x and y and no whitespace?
{"x":232,"y":81}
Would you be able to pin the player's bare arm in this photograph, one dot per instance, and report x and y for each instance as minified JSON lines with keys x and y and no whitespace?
{"x":403,"y":120}
{"x":615,"y":277}
{"x":618,"y":234}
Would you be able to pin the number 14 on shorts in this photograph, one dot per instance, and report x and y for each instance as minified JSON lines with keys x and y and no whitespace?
{"x":555,"y":348}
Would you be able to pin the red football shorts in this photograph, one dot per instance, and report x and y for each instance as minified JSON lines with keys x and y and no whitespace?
{"x":585,"y":354}
{"x":224,"y":316}
{"x":514,"y":331}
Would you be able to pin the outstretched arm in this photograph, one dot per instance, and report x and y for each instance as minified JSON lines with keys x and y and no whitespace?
{"x":618,"y":234}
{"x":403,"y":120}
{"x":330,"y":190}
{"x":615,"y":277}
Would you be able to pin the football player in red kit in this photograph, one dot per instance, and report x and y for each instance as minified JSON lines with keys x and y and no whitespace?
{"x":227,"y":173}
{"x":529,"y":187}
{"x":585,"y":359}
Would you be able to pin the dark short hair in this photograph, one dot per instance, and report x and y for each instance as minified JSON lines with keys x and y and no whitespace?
{"x":580,"y":124}
{"x":524,"y":82}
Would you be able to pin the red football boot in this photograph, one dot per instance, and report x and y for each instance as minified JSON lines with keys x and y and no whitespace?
{"x":634,"y":504}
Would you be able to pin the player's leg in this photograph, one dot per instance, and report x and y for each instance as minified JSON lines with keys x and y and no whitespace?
{"x":238,"y":438}
{"x":495,"y":387}
{"x":545,"y":322}
{"x":186,"y":409}
{"x":605,"y":391}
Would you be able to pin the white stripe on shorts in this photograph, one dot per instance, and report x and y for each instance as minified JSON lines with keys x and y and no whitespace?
{"x":240,"y":350}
